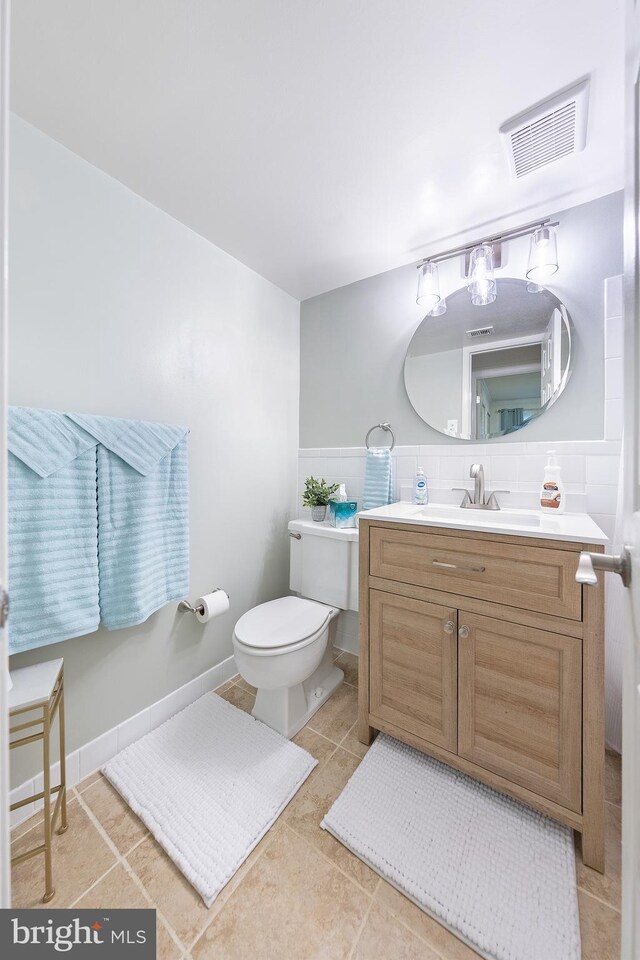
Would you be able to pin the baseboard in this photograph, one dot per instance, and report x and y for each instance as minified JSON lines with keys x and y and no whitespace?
{"x":93,"y":755}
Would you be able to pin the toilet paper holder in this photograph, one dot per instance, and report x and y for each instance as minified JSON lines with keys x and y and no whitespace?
{"x":185,"y":607}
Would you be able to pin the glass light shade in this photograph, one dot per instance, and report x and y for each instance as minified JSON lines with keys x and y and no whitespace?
{"x":482,"y":285}
{"x":439,"y":309}
{"x":428,"y":284}
{"x":543,"y":255}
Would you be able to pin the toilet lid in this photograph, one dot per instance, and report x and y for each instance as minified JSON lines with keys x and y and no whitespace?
{"x":281,"y":622}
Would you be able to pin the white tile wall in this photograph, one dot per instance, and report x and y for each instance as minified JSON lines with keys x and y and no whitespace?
{"x":613,"y":352}
{"x":93,"y":755}
{"x":589,"y":469}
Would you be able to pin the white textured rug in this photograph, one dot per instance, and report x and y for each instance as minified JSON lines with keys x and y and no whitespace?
{"x":208,"y":784}
{"x":496,"y":873}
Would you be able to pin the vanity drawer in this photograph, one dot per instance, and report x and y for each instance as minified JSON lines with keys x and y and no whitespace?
{"x":528,"y":577}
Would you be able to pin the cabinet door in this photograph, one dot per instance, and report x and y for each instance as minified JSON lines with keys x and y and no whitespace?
{"x":413,"y":666}
{"x":520,"y":705}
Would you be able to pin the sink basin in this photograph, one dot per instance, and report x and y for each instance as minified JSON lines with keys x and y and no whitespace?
{"x":512,"y":518}
{"x":578,"y":527}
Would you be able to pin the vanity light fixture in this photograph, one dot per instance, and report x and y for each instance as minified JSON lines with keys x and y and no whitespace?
{"x":483,"y":257}
{"x":428,"y":284}
{"x":482,"y":284}
{"x":543,"y":255}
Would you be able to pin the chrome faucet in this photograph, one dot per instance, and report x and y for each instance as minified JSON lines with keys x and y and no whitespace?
{"x":480,"y":500}
{"x":477,"y":474}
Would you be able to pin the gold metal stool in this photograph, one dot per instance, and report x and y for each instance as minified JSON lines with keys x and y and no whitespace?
{"x":39,"y":690}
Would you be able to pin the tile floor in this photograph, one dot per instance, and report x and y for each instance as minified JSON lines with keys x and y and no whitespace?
{"x":300,"y":895}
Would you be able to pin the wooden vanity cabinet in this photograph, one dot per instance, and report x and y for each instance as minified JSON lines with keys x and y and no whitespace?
{"x":483,"y":651}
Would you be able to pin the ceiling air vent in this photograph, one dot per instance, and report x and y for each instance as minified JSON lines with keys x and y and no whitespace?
{"x":480,"y":332}
{"x":554,"y":128}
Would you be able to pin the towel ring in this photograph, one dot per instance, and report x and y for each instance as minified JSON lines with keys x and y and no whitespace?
{"x":380,"y":426}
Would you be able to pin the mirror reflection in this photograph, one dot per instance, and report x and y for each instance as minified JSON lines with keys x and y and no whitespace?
{"x":482,"y":372}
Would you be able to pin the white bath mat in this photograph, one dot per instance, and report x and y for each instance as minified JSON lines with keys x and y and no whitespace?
{"x":208,"y":784}
{"x":496,"y":873}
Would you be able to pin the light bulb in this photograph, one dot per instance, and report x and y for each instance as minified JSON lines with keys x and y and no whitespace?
{"x":482,"y":285}
{"x":543,"y":255}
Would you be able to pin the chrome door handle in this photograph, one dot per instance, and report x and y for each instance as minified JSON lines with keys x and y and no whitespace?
{"x":457,"y":566}
{"x":590,"y":562}
{"x":449,"y":626}
{"x":463,"y":632}
{"x":4,"y":607}
{"x":296,"y":536}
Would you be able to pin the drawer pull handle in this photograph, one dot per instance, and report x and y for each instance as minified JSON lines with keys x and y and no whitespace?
{"x":449,"y":626}
{"x":463,"y":632}
{"x":457,"y":566}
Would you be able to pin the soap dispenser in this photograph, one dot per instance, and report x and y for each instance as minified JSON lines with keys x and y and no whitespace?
{"x":420,"y":493}
{"x":552,"y":497}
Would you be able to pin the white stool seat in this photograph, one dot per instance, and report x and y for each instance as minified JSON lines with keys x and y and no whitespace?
{"x":33,"y":684}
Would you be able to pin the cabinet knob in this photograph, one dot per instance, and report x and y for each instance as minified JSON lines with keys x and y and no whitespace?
{"x":463,"y":632}
{"x":449,"y":626}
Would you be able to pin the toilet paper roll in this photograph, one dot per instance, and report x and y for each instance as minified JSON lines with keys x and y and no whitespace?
{"x":213,"y":604}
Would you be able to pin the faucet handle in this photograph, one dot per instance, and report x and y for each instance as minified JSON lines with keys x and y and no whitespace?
{"x":492,"y":503}
{"x":467,"y":496}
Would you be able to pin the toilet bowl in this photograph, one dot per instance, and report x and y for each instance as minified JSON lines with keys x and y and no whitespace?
{"x":285,"y":648}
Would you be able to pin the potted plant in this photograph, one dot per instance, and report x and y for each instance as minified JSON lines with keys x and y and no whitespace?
{"x":317,"y":494}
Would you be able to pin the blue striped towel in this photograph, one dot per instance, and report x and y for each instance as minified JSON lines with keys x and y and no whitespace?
{"x":53,"y":529}
{"x":378,"y":478}
{"x":143,"y":517}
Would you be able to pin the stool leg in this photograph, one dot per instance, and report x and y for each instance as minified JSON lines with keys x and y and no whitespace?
{"x":63,"y":765}
{"x":48,"y":872}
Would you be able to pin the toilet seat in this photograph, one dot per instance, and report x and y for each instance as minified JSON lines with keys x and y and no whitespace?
{"x":281,"y":625}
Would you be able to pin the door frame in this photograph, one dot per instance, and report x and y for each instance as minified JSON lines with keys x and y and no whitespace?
{"x":5,"y":857}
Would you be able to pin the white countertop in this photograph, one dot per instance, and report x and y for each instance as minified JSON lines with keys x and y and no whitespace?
{"x":578,"y":527}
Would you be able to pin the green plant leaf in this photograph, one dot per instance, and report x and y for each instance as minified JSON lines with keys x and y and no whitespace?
{"x":318,"y":493}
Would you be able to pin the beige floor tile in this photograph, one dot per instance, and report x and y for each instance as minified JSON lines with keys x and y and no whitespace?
{"x":117,"y":818}
{"x":315,"y":744}
{"x":117,"y":891}
{"x":80,"y":857}
{"x":239,"y":698}
{"x":309,"y":806}
{"x":28,"y":824}
{"x":352,"y":744}
{"x":338,"y":715}
{"x":384,"y":936}
{"x":176,"y":898}
{"x":224,"y":687}
{"x":292,"y":904}
{"x":599,"y":929}
{"x":242,"y":683}
{"x":88,"y":781}
{"x":349,"y":664}
{"x":439,"y":939}
{"x":606,"y":886}
{"x":613,"y":777}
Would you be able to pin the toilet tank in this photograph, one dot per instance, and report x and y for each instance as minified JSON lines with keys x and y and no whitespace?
{"x":323,"y":563}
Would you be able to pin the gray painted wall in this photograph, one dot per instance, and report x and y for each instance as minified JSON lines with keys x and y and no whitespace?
{"x":118,"y":309}
{"x":353,"y":341}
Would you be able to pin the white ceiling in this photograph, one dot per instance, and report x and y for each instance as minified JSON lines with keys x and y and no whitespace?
{"x":321,"y":143}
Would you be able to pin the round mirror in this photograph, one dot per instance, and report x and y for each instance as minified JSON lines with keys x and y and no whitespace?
{"x":481,"y":372}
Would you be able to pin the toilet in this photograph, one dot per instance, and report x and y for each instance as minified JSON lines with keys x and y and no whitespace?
{"x":284,"y":647}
